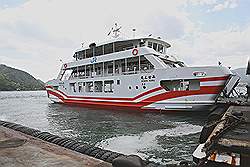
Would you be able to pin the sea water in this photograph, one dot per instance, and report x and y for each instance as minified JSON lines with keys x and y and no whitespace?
{"x":166,"y":138}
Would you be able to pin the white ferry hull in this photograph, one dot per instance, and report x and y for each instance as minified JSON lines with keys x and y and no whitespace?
{"x":154,"y":99}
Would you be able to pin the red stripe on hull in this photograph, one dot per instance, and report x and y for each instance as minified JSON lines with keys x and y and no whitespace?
{"x":175,"y":94}
{"x":139,"y":105}
{"x":214,"y":78}
{"x":114,"y":98}
{"x":140,"y":95}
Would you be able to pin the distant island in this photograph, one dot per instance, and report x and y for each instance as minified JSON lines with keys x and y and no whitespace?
{"x":13,"y":79}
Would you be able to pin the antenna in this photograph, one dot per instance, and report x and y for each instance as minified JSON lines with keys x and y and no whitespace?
{"x":115,"y":31}
{"x":82,"y":44}
{"x":134,"y":30}
{"x":110,"y":31}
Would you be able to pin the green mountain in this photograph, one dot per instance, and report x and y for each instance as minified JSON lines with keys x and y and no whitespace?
{"x":14,"y":79}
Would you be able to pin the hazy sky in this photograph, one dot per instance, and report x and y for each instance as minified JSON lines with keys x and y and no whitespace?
{"x":36,"y":34}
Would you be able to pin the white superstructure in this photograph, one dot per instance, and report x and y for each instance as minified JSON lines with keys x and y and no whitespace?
{"x":136,"y":74}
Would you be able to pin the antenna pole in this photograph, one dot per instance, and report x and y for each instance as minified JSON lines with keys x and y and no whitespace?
{"x":134,"y":30}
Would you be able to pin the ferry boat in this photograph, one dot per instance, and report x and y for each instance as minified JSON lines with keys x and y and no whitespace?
{"x":137,"y":74}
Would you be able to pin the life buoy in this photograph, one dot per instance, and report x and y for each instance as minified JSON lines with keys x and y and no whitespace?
{"x":65,"y":65}
{"x":135,"y":52}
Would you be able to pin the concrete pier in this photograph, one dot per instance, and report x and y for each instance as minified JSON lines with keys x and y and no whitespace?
{"x":19,"y":149}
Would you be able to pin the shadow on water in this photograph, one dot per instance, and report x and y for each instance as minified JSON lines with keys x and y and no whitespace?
{"x":163,"y":137}
{"x":113,"y":123}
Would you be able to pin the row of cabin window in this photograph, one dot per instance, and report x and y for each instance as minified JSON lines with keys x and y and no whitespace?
{"x":157,"y":47}
{"x":104,"y":49}
{"x":94,"y":86}
{"x":115,"y":47}
{"x":122,"y":66}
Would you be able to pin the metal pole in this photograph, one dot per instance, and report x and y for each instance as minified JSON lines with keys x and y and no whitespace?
{"x":102,"y":68}
{"x":126,"y":66}
{"x":139,"y":63}
{"x":113,"y":67}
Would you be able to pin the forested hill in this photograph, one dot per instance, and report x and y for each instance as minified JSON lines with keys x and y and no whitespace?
{"x":14,"y":79}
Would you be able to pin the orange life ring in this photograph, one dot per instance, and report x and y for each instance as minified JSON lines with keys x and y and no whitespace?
{"x":65,"y":65}
{"x":135,"y":52}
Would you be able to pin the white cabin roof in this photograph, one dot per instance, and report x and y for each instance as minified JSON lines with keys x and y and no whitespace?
{"x":121,"y":39}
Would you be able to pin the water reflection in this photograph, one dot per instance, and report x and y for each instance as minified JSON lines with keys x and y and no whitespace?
{"x":152,"y":136}
{"x":166,"y":138}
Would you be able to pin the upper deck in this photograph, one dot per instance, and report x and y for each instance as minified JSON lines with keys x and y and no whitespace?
{"x":118,"y":45}
{"x":119,"y":57}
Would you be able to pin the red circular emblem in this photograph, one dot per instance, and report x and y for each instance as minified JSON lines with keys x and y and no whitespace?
{"x":135,"y":52}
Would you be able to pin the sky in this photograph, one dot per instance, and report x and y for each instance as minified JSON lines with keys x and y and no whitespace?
{"x":36,"y":34}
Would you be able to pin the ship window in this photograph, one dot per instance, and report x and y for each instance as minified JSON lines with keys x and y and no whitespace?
{"x":80,"y":86}
{"x":89,"y":53}
{"x":89,"y":70}
{"x":74,"y":73}
{"x":81,"y":71}
{"x":98,"y":51}
{"x":118,"y":82}
{"x":89,"y":87}
{"x":142,"y":43}
{"x":108,"y":86}
{"x":160,"y":48}
{"x":194,"y":84}
{"x":108,"y":48}
{"x":123,"y":45}
{"x":99,"y":69}
{"x":110,"y":68}
{"x":72,"y":87}
{"x":117,"y":66}
{"x":155,"y":46}
{"x":180,"y":85}
{"x":79,"y":55}
{"x":145,"y":64}
{"x":123,"y":67}
{"x":133,"y":64}
{"x":150,"y":44}
{"x":136,"y":87}
{"x":98,"y":86}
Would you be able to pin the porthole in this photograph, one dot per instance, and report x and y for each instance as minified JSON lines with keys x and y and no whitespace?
{"x":144,"y":87}
{"x":136,"y":87}
{"x":129,"y":87}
